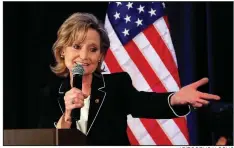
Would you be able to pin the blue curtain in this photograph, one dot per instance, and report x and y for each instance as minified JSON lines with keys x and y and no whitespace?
{"x":202,"y":37}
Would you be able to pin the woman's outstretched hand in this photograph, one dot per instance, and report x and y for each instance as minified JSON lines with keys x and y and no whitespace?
{"x":189,"y":95}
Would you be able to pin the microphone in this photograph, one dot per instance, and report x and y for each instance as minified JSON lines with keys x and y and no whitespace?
{"x":77,"y":73}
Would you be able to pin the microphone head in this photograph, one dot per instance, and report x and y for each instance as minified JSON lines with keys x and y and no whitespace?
{"x":78,"y":69}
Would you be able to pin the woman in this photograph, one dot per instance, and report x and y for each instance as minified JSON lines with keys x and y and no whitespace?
{"x":105,"y":100}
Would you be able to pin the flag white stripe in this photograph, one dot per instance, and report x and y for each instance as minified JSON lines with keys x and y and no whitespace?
{"x":139,"y":131}
{"x":179,"y":139}
{"x":147,"y":140}
{"x":155,"y":62}
{"x":172,"y":130}
{"x":161,"y":27}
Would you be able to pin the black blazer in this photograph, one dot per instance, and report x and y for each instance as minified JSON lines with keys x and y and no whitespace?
{"x":107,"y":121}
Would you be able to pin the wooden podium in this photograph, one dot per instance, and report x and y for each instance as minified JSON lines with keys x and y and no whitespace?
{"x":67,"y":137}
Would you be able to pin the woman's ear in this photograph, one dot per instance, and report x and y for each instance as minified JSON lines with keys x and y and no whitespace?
{"x":62,"y":54}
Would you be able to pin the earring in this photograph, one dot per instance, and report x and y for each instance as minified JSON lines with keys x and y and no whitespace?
{"x":62,"y":54}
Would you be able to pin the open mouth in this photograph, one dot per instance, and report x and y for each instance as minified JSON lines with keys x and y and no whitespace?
{"x":83,"y":64}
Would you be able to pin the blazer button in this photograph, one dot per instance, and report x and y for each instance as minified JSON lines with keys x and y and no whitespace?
{"x":97,"y":101}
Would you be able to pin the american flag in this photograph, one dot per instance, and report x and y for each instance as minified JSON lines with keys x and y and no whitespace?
{"x":141,"y":45}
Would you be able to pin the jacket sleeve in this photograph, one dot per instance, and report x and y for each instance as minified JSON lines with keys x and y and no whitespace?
{"x":142,"y":104}
{"x":45,"y":109}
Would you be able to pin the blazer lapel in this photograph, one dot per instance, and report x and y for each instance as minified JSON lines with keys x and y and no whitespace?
{"x":96,"y":99}
{"x":64,"y":86}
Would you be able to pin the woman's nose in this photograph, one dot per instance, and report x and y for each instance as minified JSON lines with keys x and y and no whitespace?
{"x":83,"y":54}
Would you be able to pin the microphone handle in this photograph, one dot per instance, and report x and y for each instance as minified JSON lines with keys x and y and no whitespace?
{"x":77,"y":82}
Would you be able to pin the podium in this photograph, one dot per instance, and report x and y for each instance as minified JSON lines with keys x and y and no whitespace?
{"x":68,"y":137}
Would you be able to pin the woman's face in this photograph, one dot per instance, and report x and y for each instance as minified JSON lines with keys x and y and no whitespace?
{"x":87,"y":53}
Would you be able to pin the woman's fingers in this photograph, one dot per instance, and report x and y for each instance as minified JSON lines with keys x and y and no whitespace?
{"x":202,"y":99}
{"x":204,"y":102}
{"x":73,"y":90}
{"x":197,"y":104}
{"x":208,"y":96}
{"x":73,"y":106}
{"x":77,"y":104}
{"x":74,"y":98}
{"x":198,"y":83}
{"x":73,"y":101}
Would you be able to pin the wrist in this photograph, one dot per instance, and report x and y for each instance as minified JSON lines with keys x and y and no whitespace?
{"x":64,"y":122}
{"x":67,"y":117}
{"x":172,"y":100}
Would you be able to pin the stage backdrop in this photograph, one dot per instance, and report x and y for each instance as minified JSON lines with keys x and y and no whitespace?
{"x":201,"y":34}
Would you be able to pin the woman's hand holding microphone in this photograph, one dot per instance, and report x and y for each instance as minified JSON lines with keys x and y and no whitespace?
{"x":74,"y":98}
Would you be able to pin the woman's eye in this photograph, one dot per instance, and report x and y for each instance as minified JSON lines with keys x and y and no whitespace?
{"x":76,"y":46}
{"x":93,"y":49}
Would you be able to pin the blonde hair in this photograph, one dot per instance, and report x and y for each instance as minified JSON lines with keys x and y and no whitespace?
{"x":75,"y":28}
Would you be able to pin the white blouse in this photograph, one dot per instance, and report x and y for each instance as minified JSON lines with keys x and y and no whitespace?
{"x":84,"y":113}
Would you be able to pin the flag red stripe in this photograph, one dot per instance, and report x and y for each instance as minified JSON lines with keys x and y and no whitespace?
{"x":131,"y":137}
{"x":112,"y":63}
{"x":156,"y":132}
{"x":167,"y":22}
{"x":159,"y":46}
{"x":181,"y":123}
{"x":144,"y":67}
